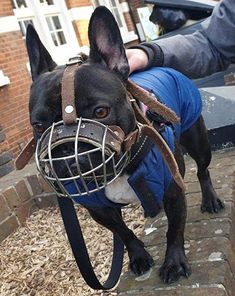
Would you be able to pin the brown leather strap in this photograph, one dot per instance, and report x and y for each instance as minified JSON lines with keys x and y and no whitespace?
{"x":25,"y":155}
{"x":67,"y":94}
{"x":166,"y":153}
{"x":152,"y":103}
{"x":90,"y":132}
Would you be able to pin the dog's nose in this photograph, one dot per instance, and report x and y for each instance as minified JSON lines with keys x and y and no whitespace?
{"x":39,"y":128}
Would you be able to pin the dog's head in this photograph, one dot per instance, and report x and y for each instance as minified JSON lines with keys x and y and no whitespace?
{"x":99,"y":84}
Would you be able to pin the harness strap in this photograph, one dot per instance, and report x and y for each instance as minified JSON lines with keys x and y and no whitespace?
{"x":25,"y":155}
{"x":151,"y":132}
{"x":67,"y":89}
{"x":153,"y":104}
{"x":79,"y":249}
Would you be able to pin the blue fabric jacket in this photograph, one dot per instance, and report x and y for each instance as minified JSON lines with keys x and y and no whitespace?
{"x":178,"y":93}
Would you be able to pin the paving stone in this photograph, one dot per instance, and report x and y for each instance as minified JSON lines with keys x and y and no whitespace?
{"x":22,"y":190}
{"x":225,"y":194}
{"x":197,"y":230}
{"x":203,"y":274}
{"x":12,"y":197}
{"x":195,"y":214}
{"x":203,"y":250}
{"x":8,"y":226}
{"x":4,"y":209}
{"x":219,"y":290}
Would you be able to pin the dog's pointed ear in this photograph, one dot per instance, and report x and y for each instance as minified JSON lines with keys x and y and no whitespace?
{"x":106,"y":45}
{"x":39,"y":58}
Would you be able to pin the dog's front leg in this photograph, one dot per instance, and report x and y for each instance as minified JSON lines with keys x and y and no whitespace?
{"x":176,"y":263}
{"x":140,"y":260}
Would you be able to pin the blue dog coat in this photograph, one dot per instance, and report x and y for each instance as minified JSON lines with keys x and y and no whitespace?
{"x":179,"y":93}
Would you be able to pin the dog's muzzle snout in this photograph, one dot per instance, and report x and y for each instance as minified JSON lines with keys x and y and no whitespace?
{"x":94,"y":160}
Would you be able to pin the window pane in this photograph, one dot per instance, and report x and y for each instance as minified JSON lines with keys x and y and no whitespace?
{"x":54,"y":39}
{"x":23,"y":26}
{"x":117,"y":16}
{"x":19,"y":3}
{"x":48,"y":19}
{"x":113,"y":3}
{"x":48,"y":2}
{"x":56,"y":22}
{"x":61,"y":37}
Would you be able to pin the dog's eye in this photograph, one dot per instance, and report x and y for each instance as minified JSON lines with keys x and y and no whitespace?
{"x":38,"y":127}
{"x":101,"y":112}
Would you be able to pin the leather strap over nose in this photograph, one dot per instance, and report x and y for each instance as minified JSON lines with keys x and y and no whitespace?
{"x":67,"y":93}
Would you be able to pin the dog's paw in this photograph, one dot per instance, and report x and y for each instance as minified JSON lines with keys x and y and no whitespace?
{"x":211,"y":203}
{"x":140,"y":261}
{"x":175,"y":265}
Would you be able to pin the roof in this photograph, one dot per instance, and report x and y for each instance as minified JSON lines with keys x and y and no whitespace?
{"x":185,"y":4}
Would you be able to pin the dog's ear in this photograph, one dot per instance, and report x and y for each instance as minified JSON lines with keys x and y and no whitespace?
{"x":39,"y":58}
{"x":106,"y":45}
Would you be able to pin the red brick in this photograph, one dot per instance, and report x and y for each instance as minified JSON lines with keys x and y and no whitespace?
{"x":25,"y":210}
{"x":22,"y":190}
{"x":44,"y":185}
{"x":8,"y":226}
{"x":34,"y":184}
{"x":12,"y":198}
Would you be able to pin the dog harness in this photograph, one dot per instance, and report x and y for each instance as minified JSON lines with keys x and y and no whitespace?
{"x":151,"y":176}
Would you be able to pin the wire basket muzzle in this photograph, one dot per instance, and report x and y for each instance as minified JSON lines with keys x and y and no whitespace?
{"x":81,"y":158}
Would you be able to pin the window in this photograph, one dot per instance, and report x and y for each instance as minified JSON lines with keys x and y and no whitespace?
{"x":52,"y":23}
{"x":47,"y":2}
{"x":23,"y":25}
{"x":55,"y":29}
{"x":114,"y":7}
{"x":19,"y":3}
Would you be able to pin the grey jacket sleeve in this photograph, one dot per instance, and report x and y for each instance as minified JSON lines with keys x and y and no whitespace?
{"x":207,"y":51}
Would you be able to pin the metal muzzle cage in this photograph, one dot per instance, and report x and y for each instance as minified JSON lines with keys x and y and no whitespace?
{"x":70,"y":169}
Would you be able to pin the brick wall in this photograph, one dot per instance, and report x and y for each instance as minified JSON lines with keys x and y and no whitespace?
{"x":5,"y":8}
{"x":20,"y":199}
{"x":77,"y":3}
{"x":14,"y":118}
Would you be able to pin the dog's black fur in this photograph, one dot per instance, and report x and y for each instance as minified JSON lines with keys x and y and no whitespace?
{"x":100,"y":83}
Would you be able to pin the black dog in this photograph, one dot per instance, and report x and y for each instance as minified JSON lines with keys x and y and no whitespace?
{"x":101,"y":95}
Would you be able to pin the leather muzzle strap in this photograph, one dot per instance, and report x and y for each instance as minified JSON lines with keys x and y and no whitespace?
{"x":67,"y":93}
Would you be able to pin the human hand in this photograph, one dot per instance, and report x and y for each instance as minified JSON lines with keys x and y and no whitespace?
{"x":137,"y":59}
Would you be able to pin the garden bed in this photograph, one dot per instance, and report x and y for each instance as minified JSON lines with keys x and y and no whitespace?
{"x":37,"y":259}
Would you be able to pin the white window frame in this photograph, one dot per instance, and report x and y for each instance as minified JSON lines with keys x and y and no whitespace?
{"x":38,"y":12}
{"x":127,"y":36}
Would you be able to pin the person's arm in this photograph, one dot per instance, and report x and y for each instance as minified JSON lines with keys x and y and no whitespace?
{"x":200,"y":54}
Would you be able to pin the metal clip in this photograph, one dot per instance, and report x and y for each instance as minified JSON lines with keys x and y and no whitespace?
{"x":74,"y":60}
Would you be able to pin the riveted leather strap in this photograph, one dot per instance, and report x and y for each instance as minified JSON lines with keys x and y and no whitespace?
{"x":90,"y":132}
{"x":148,"y":130}
{"x":68,"y":96}
{"x":25,"y":155}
